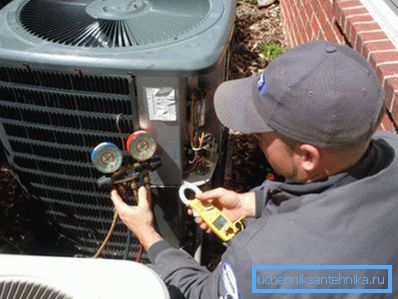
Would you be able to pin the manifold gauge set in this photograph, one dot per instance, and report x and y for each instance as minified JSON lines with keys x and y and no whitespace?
{"x":108,"y":158}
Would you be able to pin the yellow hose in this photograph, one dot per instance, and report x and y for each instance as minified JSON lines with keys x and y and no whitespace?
{"x":108,"y":236}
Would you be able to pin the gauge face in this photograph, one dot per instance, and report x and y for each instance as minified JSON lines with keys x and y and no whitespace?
{"x":141,"y":145}
{"x":106,"y":157}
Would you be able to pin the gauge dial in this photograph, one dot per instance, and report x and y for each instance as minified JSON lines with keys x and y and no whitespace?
{"x":106,"y":157}
{"x":141,"y":146}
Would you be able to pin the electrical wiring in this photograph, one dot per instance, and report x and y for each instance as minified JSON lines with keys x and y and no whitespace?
{"x":203,"y":142}
{"x":200,"y":141}
{"x":195,"y":164}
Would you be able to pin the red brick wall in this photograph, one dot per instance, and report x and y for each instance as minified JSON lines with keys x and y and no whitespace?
{"x":346,"y":22}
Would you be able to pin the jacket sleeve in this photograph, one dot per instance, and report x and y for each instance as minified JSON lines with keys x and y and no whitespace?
{"x":180,"y":271}
{"x":231,"y":278}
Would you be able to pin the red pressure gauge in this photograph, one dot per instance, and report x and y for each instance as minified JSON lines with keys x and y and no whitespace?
{"x":141,"y":145}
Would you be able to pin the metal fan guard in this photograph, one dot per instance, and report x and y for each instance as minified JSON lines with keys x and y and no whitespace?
{"x":24,"y":289}
{"x":115,"y":23}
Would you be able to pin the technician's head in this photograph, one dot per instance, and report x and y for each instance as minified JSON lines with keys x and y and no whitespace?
{"x":313,"y":109}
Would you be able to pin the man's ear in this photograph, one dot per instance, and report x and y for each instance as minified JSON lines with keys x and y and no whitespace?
{"x":310,"y":157}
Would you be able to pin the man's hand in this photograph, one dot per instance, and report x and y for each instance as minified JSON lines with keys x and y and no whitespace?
{"x":233,"y":205}
{"x":139,"y":219}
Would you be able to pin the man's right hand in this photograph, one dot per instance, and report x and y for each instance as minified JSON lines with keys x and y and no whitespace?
{"x":233,"y":205}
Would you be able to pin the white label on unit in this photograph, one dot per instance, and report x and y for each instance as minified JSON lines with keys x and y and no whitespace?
{"x":161,"y":103}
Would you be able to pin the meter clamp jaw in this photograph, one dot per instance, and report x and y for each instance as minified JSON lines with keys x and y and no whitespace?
{"x":211,"y":215}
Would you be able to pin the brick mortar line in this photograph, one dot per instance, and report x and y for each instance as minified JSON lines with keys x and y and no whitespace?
{"x":352,"y":7}
{"x":334,"y":20}
{"x":317,"y":19}
{"x":391,"y":77}
{"x":302,"y":26}
{"x":364,"y":22}
{"x":304,"y":23}
{"x":344,"y":19}
{"x":370,"y":31}
{"x":328,"y":21}
{"x":376,"y":41}
{"x":385,"y":78}
{"x":342,"y":1}
{"x":319,"y":25}
{"x":290,"y":30}
{"x":387,"y":63}
{"x":386,"y":50}
{"x":347,"y":21}
{"x":375,"y":52}
{"x":361,"y":32}
{"x":309,"y":20}
{"x":296,"y":33}
{"x":358,"y":15}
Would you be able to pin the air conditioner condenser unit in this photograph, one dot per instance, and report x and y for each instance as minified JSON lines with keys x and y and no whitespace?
{"x":31,"y":277}
{"x":69,"y":68}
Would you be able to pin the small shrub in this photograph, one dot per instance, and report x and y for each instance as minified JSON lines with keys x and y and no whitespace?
{"x":253,"y":2}
{"x":269,"y":51}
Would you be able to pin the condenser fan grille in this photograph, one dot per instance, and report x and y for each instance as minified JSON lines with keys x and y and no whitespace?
{"x":20,"y":289}
{"x":113,"y":23}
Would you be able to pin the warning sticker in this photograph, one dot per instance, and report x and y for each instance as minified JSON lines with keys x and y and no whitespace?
{"x":161,"y":103}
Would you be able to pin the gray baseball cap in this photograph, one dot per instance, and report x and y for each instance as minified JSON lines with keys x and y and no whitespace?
{"x":318,"y":93}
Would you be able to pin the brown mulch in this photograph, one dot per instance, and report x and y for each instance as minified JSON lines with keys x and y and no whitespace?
{"x":246,"y":166}
{"x":15,"y":233}
{"x":253,"y":27}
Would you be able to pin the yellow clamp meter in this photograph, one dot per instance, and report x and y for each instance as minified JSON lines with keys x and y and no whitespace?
{"x":211,"y":215}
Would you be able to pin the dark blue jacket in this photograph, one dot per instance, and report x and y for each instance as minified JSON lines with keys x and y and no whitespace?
{"x":349,"y":218}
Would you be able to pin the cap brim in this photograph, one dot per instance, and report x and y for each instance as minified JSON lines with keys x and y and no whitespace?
{"x":234,"y":103}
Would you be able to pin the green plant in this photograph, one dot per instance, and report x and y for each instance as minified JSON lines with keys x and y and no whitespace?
{"x":270,"y":51}
{"x":253,"y":2}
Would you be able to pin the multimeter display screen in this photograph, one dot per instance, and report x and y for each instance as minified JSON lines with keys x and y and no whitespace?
{"x":219,"y":222}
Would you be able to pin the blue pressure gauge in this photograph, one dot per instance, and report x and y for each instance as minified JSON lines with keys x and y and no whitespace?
{"x":106,"y":157}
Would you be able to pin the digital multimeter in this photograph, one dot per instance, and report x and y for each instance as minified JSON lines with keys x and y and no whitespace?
{"x":211,"y":215}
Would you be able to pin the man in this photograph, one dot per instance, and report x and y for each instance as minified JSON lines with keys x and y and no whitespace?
{"x":314,"y":111}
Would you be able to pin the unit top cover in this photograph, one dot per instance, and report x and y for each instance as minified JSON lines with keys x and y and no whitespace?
{"x":165,"y":35}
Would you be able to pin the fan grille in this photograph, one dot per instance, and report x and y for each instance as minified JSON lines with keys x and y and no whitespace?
{"x":112,"y":23}
{"x":19,"y":289}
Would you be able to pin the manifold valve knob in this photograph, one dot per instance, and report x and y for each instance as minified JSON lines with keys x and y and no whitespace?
{"x":153,"y":165}
{"x":104,"y":182}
